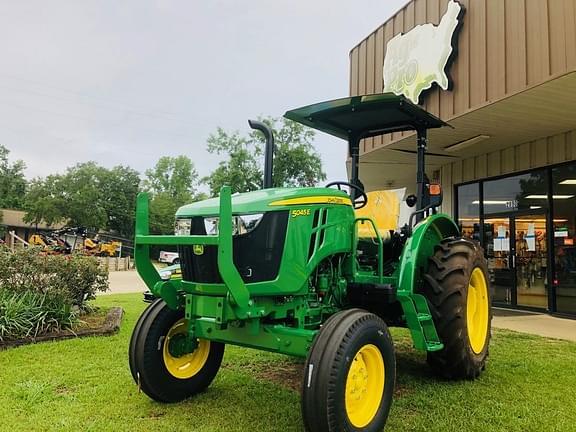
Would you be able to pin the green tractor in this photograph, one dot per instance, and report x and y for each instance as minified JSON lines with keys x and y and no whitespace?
{"x":285,"y":270}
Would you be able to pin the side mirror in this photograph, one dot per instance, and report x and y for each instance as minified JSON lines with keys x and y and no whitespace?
{"x":411,"y":200}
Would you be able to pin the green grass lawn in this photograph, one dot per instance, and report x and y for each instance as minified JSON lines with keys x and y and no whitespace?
{"x":85,"y":384}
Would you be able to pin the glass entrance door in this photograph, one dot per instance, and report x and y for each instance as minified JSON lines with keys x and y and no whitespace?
{"x":497,"y":232}
{"x":531,"y":261}
{"x":518,"y":259}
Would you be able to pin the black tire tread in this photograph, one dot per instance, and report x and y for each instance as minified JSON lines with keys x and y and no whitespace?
{"x":445,"y":287}
{"x":330,"y":354}
{"x":147,"y":364}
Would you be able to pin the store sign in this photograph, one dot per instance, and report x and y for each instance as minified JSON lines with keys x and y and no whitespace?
{"x":416,"y":60}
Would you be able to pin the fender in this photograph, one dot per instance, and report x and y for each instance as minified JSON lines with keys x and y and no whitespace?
{"x":419,"y":247}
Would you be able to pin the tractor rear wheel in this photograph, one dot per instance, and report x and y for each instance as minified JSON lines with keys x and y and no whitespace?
{"x":349,"y":374}
{"x":163,"y":373}
{"x":458,"y":294}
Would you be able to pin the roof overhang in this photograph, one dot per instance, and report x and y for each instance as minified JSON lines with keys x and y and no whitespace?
{"x":541,"y":111}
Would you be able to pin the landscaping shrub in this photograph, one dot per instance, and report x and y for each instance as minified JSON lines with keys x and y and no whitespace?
{"x":40,"y":293}
{"x":29,"y":314}
{"x":75,"y":277}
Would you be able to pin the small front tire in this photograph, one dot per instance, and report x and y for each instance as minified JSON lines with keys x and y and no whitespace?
{"x":163,"y":376}
{"x":349,"y":374}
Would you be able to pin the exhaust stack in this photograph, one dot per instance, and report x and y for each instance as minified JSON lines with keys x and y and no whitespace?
{"x":268,"y":152}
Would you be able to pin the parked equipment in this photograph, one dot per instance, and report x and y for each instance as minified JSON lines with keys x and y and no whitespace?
{"x":95,"y":246}
{"x":285,"y":270}
{"x":51,"y":243}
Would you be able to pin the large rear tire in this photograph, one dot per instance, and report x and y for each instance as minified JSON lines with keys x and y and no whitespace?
{"x":162,"y":375}
{"x":456,"y":286}
{"x":349,"y":374}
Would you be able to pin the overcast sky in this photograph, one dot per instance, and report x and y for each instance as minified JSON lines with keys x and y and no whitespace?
{"x":125,"y":82}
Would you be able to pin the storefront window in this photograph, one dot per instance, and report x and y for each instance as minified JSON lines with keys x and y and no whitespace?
{"x":469,"y":210}
{"x":564,"y":187}
{"x":517,"y":193}
{"x":516,"y":213}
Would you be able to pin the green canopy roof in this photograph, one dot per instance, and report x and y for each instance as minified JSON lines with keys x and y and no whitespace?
{"x":365,"y":116}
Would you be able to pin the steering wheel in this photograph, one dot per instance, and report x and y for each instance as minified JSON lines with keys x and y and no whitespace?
{"x":360,"y":201}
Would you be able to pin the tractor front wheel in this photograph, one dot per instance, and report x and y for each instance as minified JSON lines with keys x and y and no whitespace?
{"x":160,"y":368}
{"x":349,"y":374}
{"x":458,"y":294}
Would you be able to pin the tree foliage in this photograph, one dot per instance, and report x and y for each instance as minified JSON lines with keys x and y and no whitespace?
{"x":240,"y":170}
{"x":12,"y":181}
{"x":174,"y":176}
{"x":171,"y":184}
{"x":87,"y":195}
{"x":296,"y":162}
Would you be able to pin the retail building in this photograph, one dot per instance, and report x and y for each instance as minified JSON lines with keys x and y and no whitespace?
{"x":508,"y":166}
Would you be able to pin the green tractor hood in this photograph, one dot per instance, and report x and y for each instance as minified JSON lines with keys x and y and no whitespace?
{"x":266,"y":200}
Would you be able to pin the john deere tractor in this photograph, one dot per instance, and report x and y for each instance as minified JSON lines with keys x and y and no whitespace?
{"x":298,"y":271}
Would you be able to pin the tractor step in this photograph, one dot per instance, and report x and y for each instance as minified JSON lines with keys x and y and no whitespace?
{"x":420,"y":322}
{"x":424,"y":317}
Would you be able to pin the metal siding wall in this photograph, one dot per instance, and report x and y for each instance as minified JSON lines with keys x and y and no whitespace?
{"x":516,"y":37}
{"x":460,"y":72}
{"x":378,"y":80}
{"x":523,"y":160}
{"x":370,"y":78}
{"x":446,"y":182}
{"x":496,"y":48}
{"x":476,"y":20}
{"x":354,"y":73}
{"x":538,"y":55}
{"x":504,"y":47}
{"x":570,"y":27}
{"x":535,"y":154}
{"x":481,"y":166}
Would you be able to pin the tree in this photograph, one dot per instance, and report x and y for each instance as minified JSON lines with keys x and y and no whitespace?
{"x":175,"y":176}
{"x":12,"y":181}
{"x":44,"y":201}
{"x":87,"y":195}
{"x":120,"y":187}
{"x":240,"y":171}
{"x":296,"y":162}
{"x":171,"y":184}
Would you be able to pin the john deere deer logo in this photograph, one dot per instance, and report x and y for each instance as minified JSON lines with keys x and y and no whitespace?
{"x":417,"y":59}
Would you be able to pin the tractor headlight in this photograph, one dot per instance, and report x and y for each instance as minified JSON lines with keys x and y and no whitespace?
{"x":165,"y":275}
{"x":182,"y":227}
{"x":241,"y":224}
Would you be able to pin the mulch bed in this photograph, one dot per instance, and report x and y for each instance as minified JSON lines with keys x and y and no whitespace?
{"x":91,"y":325}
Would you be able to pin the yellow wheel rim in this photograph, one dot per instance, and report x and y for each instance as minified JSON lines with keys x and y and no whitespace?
{"x":477,"y":310}
{"x":188,"y":365}
{"x":365,"y":386}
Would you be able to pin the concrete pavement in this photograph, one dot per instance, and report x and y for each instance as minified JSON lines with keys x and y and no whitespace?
{"x":535,"y":323}
{"x":125,"y":282}
{"x":524,"y":322}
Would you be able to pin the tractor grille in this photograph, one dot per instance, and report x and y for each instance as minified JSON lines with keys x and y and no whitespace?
{"x":257,"y":254}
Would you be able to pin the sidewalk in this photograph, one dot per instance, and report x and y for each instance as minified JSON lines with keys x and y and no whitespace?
{"x":125,"y":282}
{"x":535,"y":323}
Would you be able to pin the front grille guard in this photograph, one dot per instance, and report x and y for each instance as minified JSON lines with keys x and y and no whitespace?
{"x":223,"y":241}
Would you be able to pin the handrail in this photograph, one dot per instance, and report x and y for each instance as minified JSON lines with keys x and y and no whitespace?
{"x":380,"y":244}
